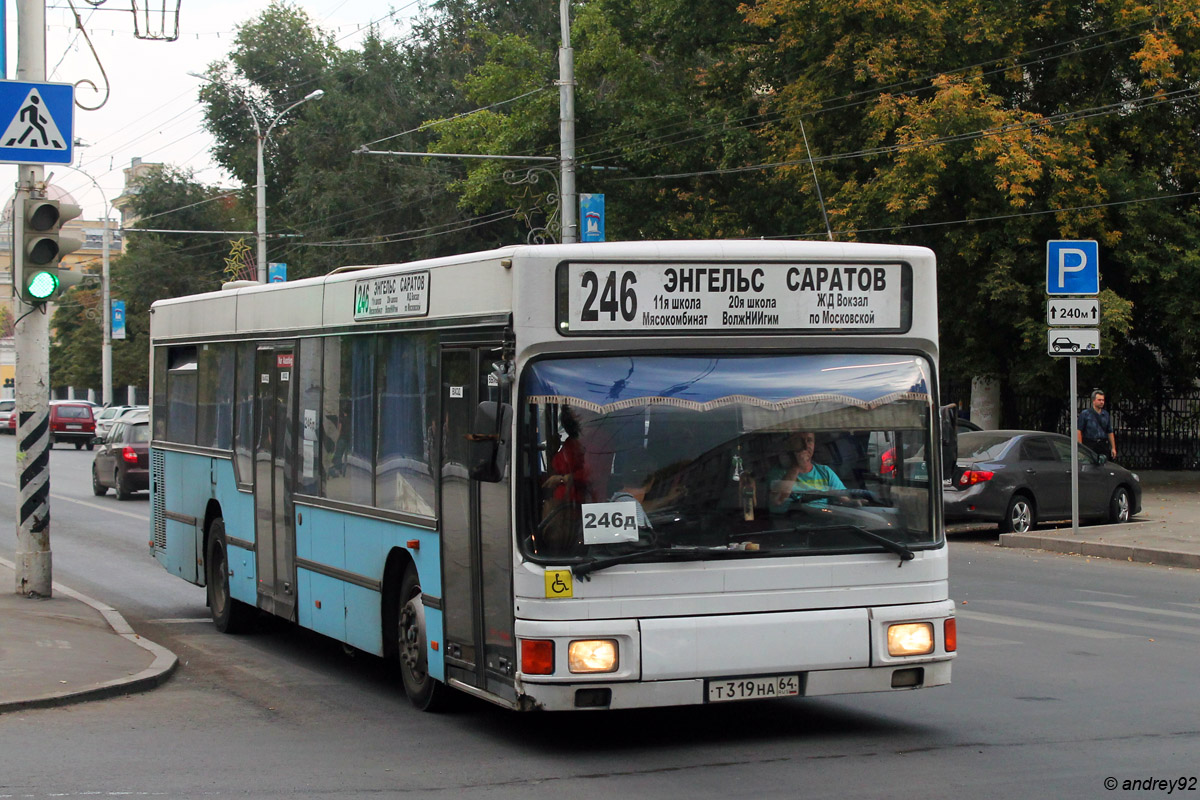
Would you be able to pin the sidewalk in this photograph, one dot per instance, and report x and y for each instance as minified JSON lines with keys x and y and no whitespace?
{"x":70,"y":648}
{"x":1166,"y":532}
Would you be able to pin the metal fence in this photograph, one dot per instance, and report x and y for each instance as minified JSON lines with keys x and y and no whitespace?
{"x":1156,"y":432}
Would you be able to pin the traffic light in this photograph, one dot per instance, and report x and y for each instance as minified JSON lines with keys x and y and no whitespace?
{"x":42,"y":247}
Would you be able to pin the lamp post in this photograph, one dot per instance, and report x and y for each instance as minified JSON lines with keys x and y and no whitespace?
{"x":106,"y":377}
{"x":260,"y":187}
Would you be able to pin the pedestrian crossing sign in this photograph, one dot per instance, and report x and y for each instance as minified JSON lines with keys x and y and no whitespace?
{"x":37,"y":122}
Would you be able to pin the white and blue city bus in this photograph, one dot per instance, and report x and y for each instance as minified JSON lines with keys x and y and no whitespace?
{"x":573,"y":476}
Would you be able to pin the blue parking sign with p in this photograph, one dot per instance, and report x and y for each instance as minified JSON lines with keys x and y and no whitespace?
{"x":1072,"y":267}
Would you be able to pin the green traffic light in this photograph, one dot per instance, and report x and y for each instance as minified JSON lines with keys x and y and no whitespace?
{"x":43,"y":285}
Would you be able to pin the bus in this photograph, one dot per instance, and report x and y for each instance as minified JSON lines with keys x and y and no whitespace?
{"x":580,"y":476}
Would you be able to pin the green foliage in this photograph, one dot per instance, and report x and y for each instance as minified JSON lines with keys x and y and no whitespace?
{"x":152,"y":267}
{"x":971,"y":128}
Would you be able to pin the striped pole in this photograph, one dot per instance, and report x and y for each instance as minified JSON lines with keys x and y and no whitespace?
{"x":33,"y":577}
{"x":33,"y":524}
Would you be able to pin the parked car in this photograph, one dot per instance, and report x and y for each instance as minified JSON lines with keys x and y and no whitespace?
{"x":122,"y":459}
{"x":8,"y":415}
{"x":72,"y":421}
{"x":1018,"y":478}
{"x":106,"y":417}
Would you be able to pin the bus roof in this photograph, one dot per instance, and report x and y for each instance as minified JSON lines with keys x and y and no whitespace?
{"x":473,"y":285}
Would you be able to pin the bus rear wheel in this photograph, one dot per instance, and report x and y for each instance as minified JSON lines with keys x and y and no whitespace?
{"x":424,"y":691}
{"x":229,"y":615}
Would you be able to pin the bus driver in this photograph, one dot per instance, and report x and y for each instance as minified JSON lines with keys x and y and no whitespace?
{"x":803,"y":476}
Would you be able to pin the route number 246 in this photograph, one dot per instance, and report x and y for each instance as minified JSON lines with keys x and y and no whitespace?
{"x":609,"y":299}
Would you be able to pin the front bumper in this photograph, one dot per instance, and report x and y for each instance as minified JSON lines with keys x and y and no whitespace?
{"x":670,"y":660}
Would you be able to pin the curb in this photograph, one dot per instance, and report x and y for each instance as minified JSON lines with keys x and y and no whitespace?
{"x":155,"y":675}
{"x":1120,"y":552}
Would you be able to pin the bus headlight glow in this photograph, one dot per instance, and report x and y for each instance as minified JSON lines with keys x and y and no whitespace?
{"x":910,"y":639}
{"x":592,"y":655}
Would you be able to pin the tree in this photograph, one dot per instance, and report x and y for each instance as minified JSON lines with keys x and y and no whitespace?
{"x":963,"y":127}
{"x":982,"y":134}
{"x":654,"y":95}
{"x":343,"y":207}
{"x":152,"y":267}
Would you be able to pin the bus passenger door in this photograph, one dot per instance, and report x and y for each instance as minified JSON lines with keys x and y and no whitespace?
{"x":274,"y":450}
{"x":476,"y":520}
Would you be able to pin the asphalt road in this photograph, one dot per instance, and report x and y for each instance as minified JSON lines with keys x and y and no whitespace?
{"x":1071,"y":671}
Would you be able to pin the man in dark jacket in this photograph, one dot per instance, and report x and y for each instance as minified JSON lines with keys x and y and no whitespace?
{"x":1095,"y":427}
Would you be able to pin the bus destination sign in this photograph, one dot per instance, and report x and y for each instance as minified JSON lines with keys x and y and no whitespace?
{"x":747,"y":297}
{"x":404,"y":295}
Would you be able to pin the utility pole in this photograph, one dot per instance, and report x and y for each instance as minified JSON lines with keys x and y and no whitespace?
{"x":106,"y":375}
{"x":33,"y":562}
{"x":566,"y":126}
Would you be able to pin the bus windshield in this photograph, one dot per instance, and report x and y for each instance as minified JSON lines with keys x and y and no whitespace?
{"x":686,"y":457}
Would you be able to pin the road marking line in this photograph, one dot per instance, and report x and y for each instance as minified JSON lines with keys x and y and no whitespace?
{"x":1069,"y":630}
{"x":181,"y":621}
{"x":54,"y":496}
{"x":975,"y":640}
{"x":1140,"y":609}
{"x":1109,"y":621}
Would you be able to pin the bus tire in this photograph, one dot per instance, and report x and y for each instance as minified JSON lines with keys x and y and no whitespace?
{"x":228,"y":615}
{"x":424,"y":691}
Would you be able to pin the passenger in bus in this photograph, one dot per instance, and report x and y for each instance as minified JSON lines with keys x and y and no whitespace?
{"x":571,"y":477}
{"x":803,"y":476}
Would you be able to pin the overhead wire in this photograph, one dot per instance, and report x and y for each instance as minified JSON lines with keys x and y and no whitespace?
{"x":992,"y":218}
{"x":1065,"y":117}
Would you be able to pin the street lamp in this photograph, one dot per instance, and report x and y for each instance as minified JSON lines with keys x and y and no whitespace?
{"x":106,"y":365}
{"x":260,"y":188}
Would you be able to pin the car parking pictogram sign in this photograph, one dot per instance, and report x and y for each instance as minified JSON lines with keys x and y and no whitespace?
{"x":37,"y":122}
{"x":1073,"y":342}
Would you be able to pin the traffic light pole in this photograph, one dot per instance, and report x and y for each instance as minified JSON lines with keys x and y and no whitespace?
{"x":33,"y":557}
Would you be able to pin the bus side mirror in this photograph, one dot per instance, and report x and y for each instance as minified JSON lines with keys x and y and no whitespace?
{"x":949,"y":415}
{"x":489,"y":441}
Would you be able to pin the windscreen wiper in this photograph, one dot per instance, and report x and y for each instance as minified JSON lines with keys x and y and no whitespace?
{"x":899,"y":548}
{"x":682,"y":554}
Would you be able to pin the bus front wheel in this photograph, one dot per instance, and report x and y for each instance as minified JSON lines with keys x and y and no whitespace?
{"x":424,"y":691}
{"x":229,"y":615}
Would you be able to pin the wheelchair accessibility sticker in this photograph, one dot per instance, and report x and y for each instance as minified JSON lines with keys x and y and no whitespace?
{"x":559,"y":583}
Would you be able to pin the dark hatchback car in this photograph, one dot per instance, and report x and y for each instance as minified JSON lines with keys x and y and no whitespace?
{"x":1016,"y":478}
{"x":122,"y":460}
{"x":72,"y":422}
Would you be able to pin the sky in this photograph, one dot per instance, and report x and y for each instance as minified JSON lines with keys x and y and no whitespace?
{"x":152,"y":110}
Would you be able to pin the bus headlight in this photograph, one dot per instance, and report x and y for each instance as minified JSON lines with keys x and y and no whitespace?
{"x":910,"y":639}
{"x":592,"y":655}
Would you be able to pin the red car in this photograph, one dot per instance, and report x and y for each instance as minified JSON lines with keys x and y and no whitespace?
{"x":72,"y":421}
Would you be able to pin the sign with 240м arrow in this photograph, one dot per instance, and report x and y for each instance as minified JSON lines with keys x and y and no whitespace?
{"x":1072,"y":311}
